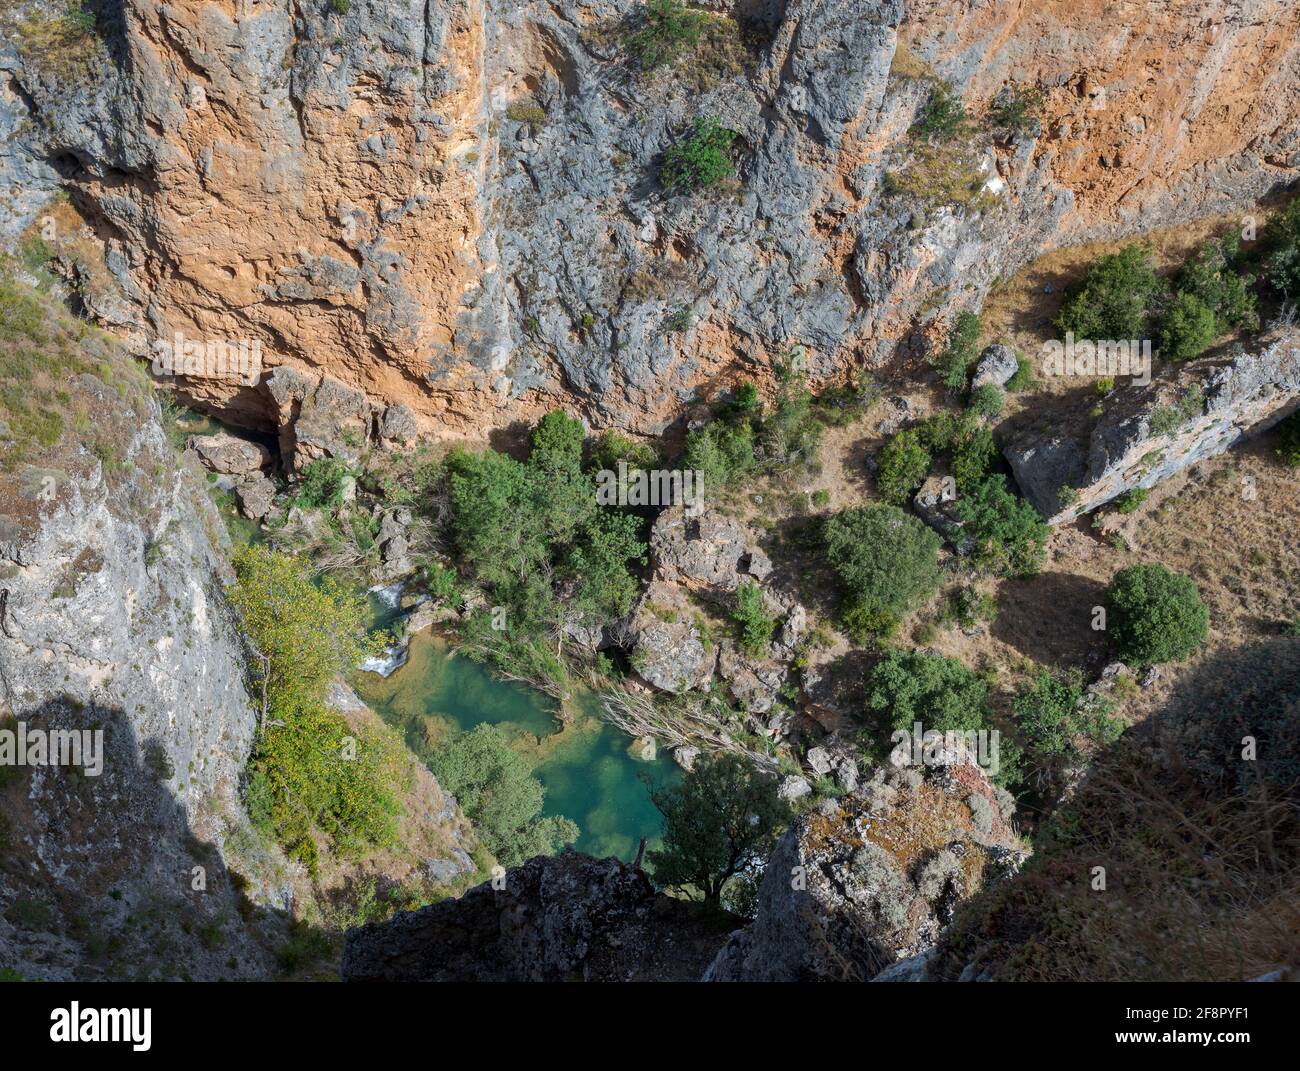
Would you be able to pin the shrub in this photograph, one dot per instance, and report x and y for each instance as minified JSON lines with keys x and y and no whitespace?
{"x":667,"y":26}
{"x":702,"y":160}
{"x":1288,"y":446}
{"x":885,"y":560}
{"x":1188,"y":328}
{"x":1023,"y":377}
{"x":904,"y":462}
{"x":1282,"y":264}
{"x":324,"y":483}
{"x":986,"y":401}
{"x":756,"y":627}
{"x":973,"y":451}
{"x":721,"y":821}
{"x":791,"y":433}
{"x":953,"y":364}
{"x":443,"y":584}
{"x":498,"y":793}
{"x":1112,"y":299}
{"x":721,"y":451}
{"x":1015,"y":109}
{"x":941,"y":693}
{"x":943,"y":117}
{"x":1167,"y":419}
{"x":610,"y":447}
{"x":1056,"y":708}
{"x":1131,"y":500}
{"x":1009,"y":535}
{"x":1154,"y":615}
{"x":1211,"y":277}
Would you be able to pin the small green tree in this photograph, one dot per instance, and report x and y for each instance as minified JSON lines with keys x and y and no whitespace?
{"x":1154,"y":615}
{"x":943,"y":117}
{"x":941,"y":693}
{"x":723,"y":452}
{"x":1212,"y":277}
{"x":986,"y":401}
{"x":1056,"y":708}
{"x":904,"y":462}
{"x":1010,"y":537}
{"x":954,"y":362}
{"x":1112,"y":299}
{"x":1288,"y":443}
{"x":722,"y":819}
{"x":497,"y":791}
{"x":886,"y":561}
{"x":756,"y":627}
{"x":702,"y":159}
{"x":1282,"y":265}
{"x":1188,"y":328}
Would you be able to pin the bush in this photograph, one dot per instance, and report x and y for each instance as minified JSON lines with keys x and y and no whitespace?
{"x":702,"y":160}
{"x":943,"y":117}
{"x":1056,"y":708}
{"x":756,"y":627}
{"x":1112,"y":299}
{"x":1282,"y":265}
{"x":941,"y":693}
{"x":1009,"y":535}
{"x":1154,"y":615}
{"x":1188,"y":328}
{"x":498,"y":793}
{"x":1023,"y":377}
{"x":324,"y":483}
{"x":1211,"y":277}
{"x":886,"y":561}
{"x":667,"y":26}
{"x":953,"y":364}
{"x":1288,"y":446}
{"x":722,"y":452}
{"x":1131,"y":500}
{"x":1016,"y":109}
{"x":987,"y":401}
{"x":973,"y":451}
{"x":903,"y":464}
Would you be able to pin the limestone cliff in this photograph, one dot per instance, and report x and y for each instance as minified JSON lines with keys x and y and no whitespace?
{"x":453,"y":203}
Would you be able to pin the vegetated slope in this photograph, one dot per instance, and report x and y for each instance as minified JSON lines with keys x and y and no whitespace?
{"x":1194,"y":817}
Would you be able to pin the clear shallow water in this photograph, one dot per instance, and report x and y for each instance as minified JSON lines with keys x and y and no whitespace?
{"x":587,"y":766}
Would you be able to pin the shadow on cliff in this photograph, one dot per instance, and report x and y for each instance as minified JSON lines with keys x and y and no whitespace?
{"x":1193,"y":818}
{"x":107,"y":869}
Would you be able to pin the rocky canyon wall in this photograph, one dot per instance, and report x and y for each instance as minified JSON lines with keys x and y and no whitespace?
{"x":453,"y":204}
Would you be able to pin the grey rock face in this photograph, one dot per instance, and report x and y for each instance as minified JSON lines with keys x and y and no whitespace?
{"x":554,"y":919}
{"x":1148,"y":433}
{"x":113,"y":617}
{"x":873,"y":878}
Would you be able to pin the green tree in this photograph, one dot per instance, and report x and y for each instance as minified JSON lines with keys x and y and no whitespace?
{"x":1282,"y":264}
{"x":309,"y":769}
{"x":1154,"y":615}
{"x":723,"y":818}
{"x":1112,"y":299}
{"x":941,"y":693}
{"x":954,"y":362}
{"x":1211,"y":277}
{"x":756,"y":627}
{"x":498,"y":793}
{"x":1188,"y":328}
{"x":722,"y":452}
{"x":1010,"y":537}
{"x":903,"y":464}
{"x":666,"y":27}
{"x":1056,"y":708}
{"x":886,"y":561}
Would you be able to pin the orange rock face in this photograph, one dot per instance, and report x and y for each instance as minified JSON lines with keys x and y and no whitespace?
{"x":453,"y":204}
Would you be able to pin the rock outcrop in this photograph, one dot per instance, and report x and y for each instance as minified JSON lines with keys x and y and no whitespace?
{"x":872,"y":878}
{"x":1146,"y":434}
{"x":553,"y":919}
{"x":454,"y":205}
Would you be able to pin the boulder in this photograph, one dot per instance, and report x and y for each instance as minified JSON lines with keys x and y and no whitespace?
{"x":230,"y":455}
{"x":256,"y":496}
{"x":869,"y":880}
{"x":668,"y":652}
{"x":997,"y":364}
{"x":707,"y":550}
